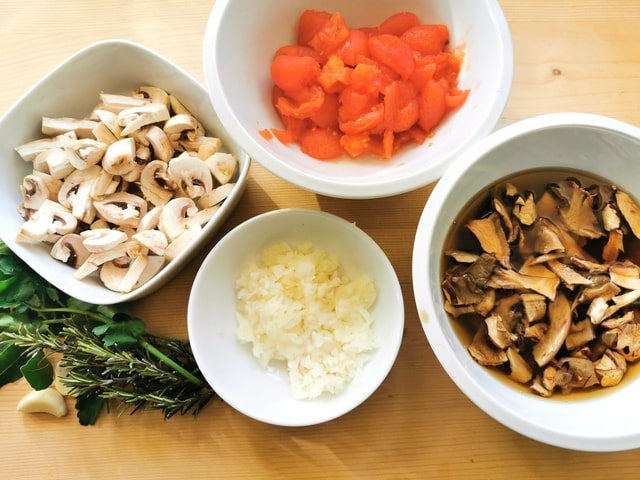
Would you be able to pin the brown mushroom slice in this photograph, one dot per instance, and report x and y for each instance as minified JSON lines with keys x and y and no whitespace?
{"x":501,"y":209}
{"x":576,"y":209}
{"x":485,"y":352}
{"x":498,"y":332}
{"x":534,"y":306}
{"x":614,"y":246}
{"x":625,"y":275}
{"x":492,"y":238}
{"x":610,"y":217}
{"x":601,"y":286}
{"x":559,"y":313}
{"x":567,"y":274}
{"x":582,"y":371}
{"x":597,"y":310}
{"x":571,"y":247}
{"x":525,"y":209}
{"x":616,"y":322}
{"x":520,"y":370}
{"x":610,"y":368}
{"x":462,"y":256}
{"x":466,"y":286}
{"x":628,"y":341}
{"x":537,"y":387}
{"x":630,"y":211}
{"x":512,"y":280}
{"x":580,"y":334}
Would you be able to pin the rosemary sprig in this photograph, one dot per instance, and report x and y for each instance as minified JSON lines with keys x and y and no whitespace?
{"x":107,"y":352}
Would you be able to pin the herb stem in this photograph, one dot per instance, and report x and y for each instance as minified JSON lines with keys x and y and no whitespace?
{"x":94,"y":315}
{"x":169,"y":362}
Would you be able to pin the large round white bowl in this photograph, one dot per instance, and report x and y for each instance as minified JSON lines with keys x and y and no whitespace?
{"x":72,"y":90}
{"x":600,"y":146}
{"x":242,"y":36}
{"x":230,"y":367}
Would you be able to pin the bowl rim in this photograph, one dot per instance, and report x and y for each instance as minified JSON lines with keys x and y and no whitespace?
{"x":315,"y":414}
{"x":462,"y":378}
{"x":339,"y":188}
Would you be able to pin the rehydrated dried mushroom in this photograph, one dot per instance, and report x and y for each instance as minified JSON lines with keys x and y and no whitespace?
{"x":544,"y":285}
{"x":121,"y":193}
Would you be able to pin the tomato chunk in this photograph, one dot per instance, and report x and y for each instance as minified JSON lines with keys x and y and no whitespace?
{"x":292,"y":72}
{"x":393,"y":52}
{"x":321,"y":143}
{"x":398,"y":23}
{"x":427,"y":39}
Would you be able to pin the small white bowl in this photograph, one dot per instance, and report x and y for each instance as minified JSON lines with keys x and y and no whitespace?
{"x":73,"y":89}
{"x":238,"y":49}
{"x":599,"y":146}
{"x":230,"y":367}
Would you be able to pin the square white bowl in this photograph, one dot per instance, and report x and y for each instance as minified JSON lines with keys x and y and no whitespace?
{"x":72,"y":90}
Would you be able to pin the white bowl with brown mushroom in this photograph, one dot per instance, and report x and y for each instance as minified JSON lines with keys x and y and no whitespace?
{"x":117,"y":172}
{"x":529,"y":294}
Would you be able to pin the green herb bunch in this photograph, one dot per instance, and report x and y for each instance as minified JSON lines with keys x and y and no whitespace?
{"x":107,"y":354}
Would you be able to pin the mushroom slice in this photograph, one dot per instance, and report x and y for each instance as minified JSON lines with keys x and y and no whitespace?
{"x":534,"y":306}
{"x":510,"y":279}
{"x":122,"y":208}
{"x":135,"y":118}
{"x":484,"y":351}
{"x":109,"y":120}
{"x":521,"y":371}
{"x":159,"y":142}
{"x":576,"y":209}
{"x":583,"y":373}
{"x":559,"y":313}
{"x":102,"y":239}
{"x":567,"y":274}
{"x":105,"y":184}
{"x":55,"y":162}
{"x":49,"y":221}
{"x":610,"y":217}
{"x":610,"y":368}
{"x":215,"y":196}
{"x":462,"y":256}
{"x":153,"y":94}
{"x":625,"y":275}
{"x":116,"y":103}
{"x":34,"y":191}
{"x":150,"y":219}
{"x":202,"y":146}
{"x":614,"y":246}
{"x":181,"y":242}
{"x":75,"y":193}
{"x":28,"y":151}
{"x":176,"y":217}
{"x":123,"y":280}
{"x":627,"y":341}
{"x":191,"y":175}
{"x":95,"y":260}
{"x":616,"y":322}
{"x":597,"y":310}
{"x":492,"y":238}
{"x":155,"y":183}
{"x":580,"y":334}
{"x":69,"y":249}
{"x":83,"y":128}
{"x":223,"y":166}
{"x":524,"y":209}
{"x":85,"y":152}
{"x":498,"y":332}
{"x":120,"y":157}
{"x":182,"y":126}
{"x":154,"y":240}
{"x":630,"y":211}
{"x":154,"y":265}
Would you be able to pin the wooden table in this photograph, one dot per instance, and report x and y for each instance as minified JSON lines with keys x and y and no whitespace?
{"x":580,"y":56}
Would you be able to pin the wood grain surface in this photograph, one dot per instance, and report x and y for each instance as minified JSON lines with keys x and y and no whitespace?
{"x":570,"y":56}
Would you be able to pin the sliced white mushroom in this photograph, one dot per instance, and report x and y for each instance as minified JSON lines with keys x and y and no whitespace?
{"x":223,"y":166}
{"x":124,"y":278}
{"x":153,"y":94}
{"x":160,"y":144}
{"x":155,"y":183}
{"x":110,"y":120}
{"x":181,"y":242}
{"x":175,"y":217}
{"x":53,"y":184}
{"x":116,"y":103}
{"x":215,"y":196}
{"x":177,"y":106}
{"x":69,"y":249}
{"x":122,"y":208}
{"x":105,"y":184}
{"x":34,"y":191}
{"x":75,"y":193}
{"x":120,"y":157}
{"x":191,"y":175}
{"x":102,"y":134}
{"x":137,"y":117}
{"x":55,"y":162}
{"x":154,"y":265}
{"x":48,"y":401}
{"x":85,"y":152}
{"x":202,"y":146}
{"x":49,"y":220}
{"x":82,"y":127}
{"x":102,"y":239}
{"x":30,"y":150}
{"x":154,"y":240}
{"x":95,"y":260}
{"x":150,"y":220}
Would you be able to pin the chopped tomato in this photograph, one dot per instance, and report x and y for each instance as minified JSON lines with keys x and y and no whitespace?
{"x":427,"y":39}
{"x":392,"y":52}
{"x":291,"y":72}
{"x":369,"y":90}
{"x":321,"y":143}
{"x":398,"y":23}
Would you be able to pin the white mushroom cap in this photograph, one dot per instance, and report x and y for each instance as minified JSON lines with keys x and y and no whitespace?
{"x":191,"y":175}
